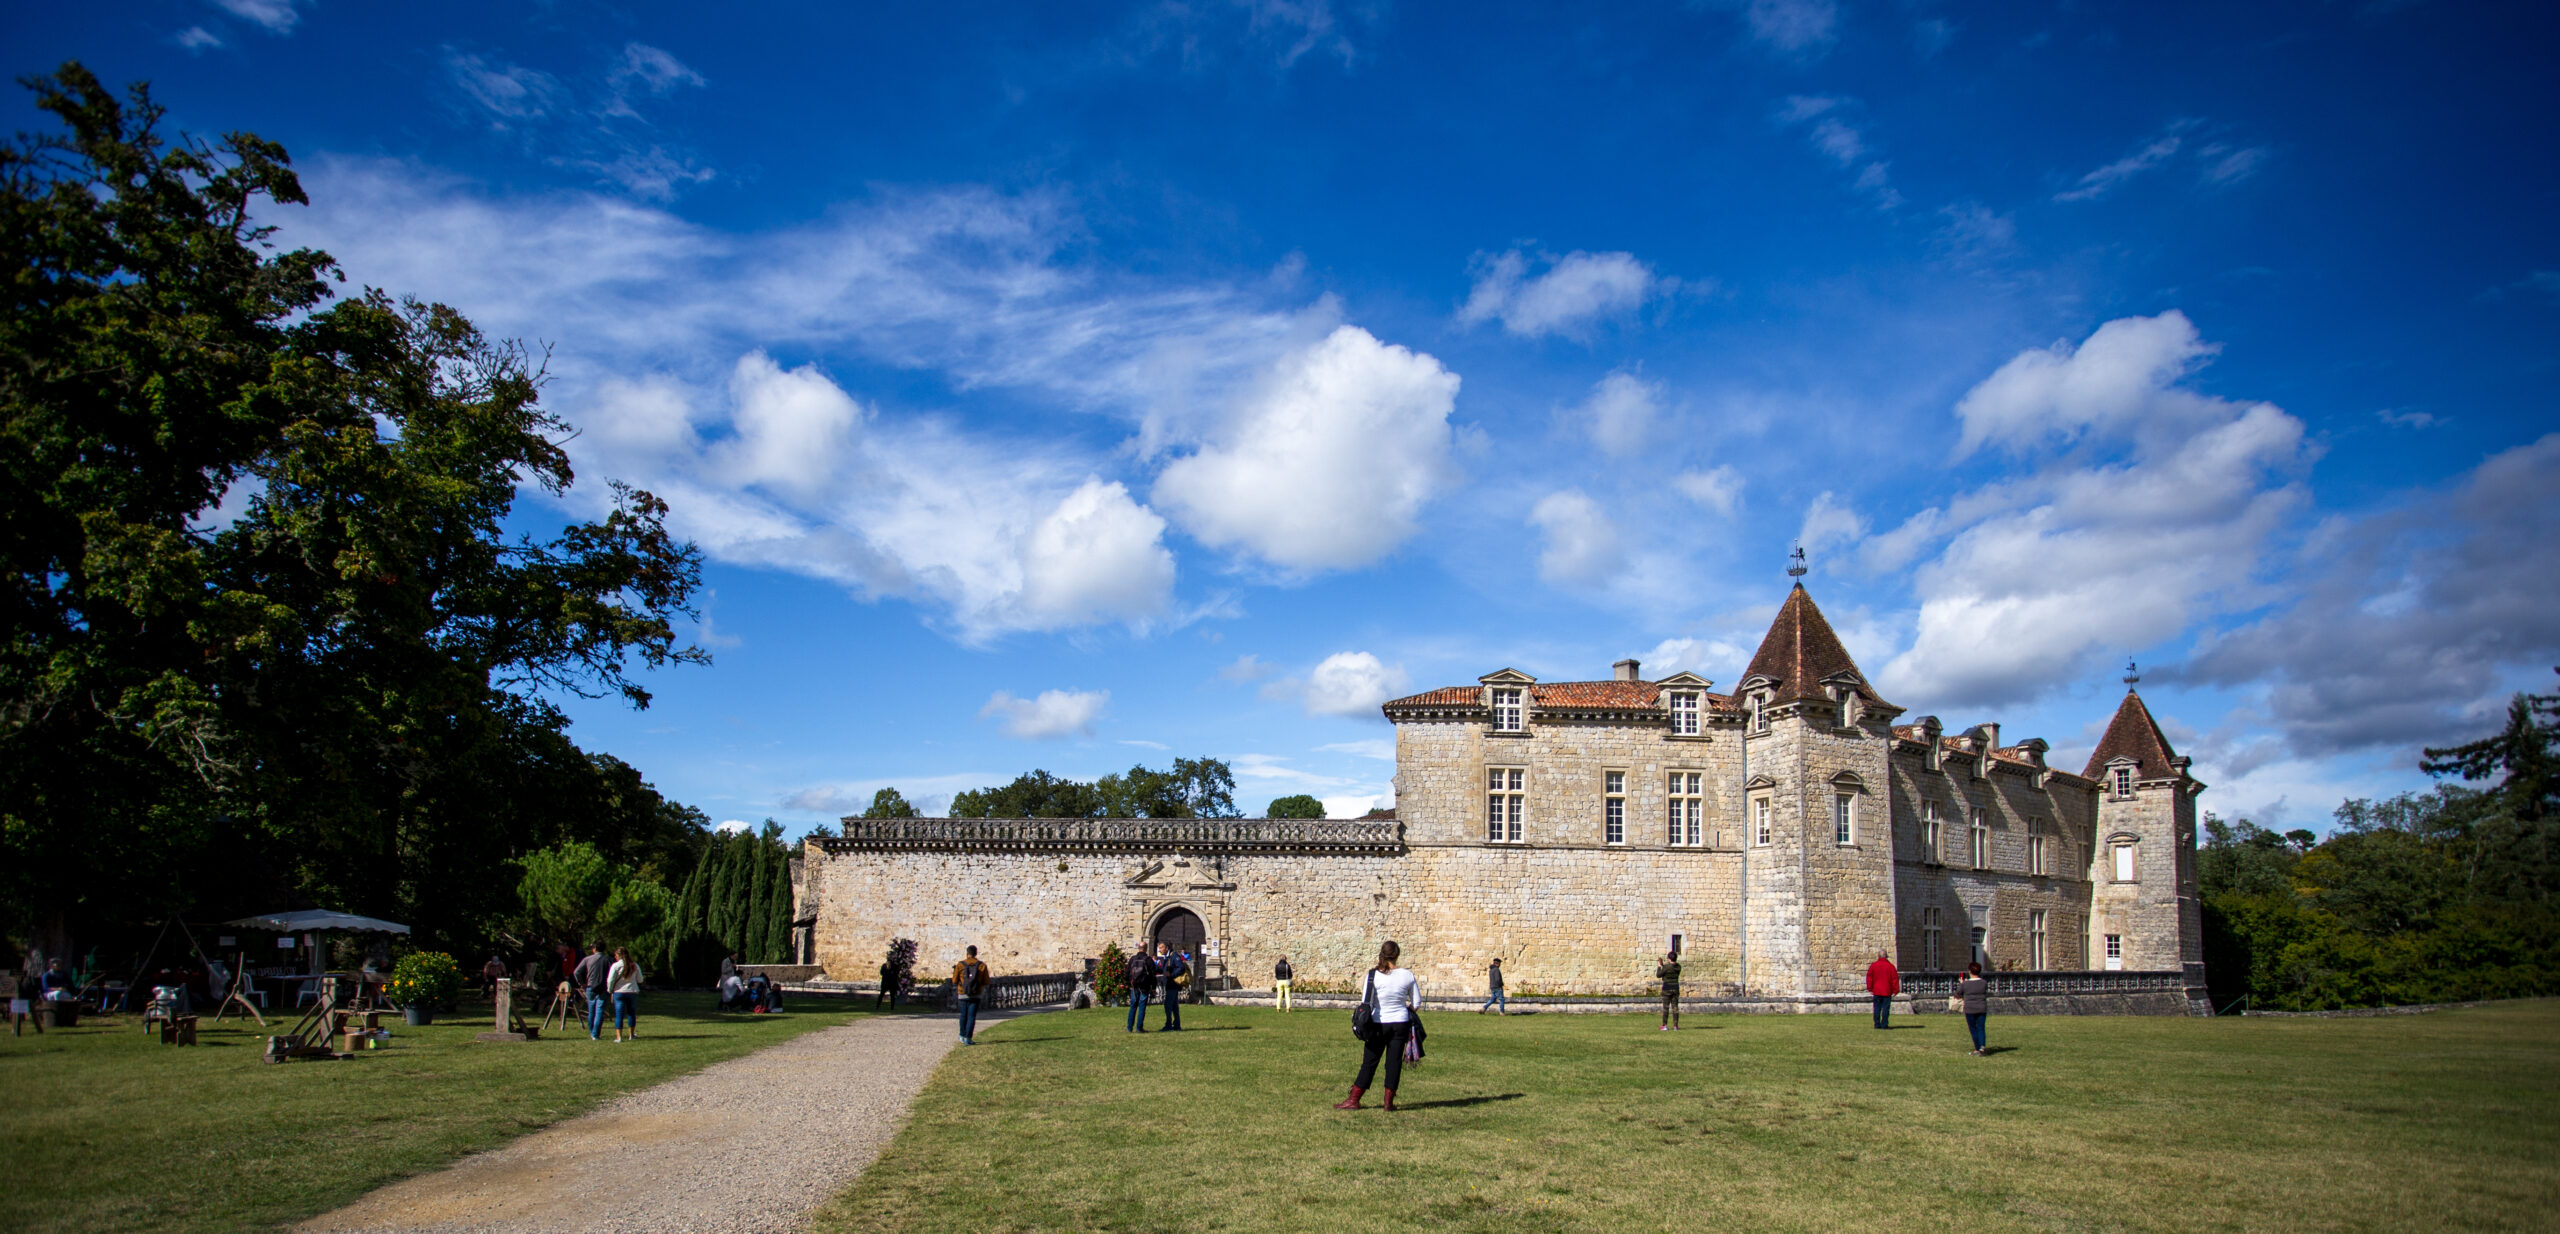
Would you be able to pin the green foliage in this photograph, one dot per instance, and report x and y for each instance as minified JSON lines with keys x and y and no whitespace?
{"x":887,"y":803}
{"x":1111,"y":976}
{"x":340,"y":695}
{"x":1298,"y":805}
{"x":426,"y":979}
{"x":565,"y":888}
{"x":1194,"y":788}
{"x":2425,"y":897}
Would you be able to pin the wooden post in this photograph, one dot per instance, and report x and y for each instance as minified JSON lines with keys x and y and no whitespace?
{"x":504,"y":990}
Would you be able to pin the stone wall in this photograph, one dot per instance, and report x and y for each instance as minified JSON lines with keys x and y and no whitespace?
{"x":2007,"y":894}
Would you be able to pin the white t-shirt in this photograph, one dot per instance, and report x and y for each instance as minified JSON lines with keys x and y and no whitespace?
{"x":1396,"y":994}
{"x":623,"y":978}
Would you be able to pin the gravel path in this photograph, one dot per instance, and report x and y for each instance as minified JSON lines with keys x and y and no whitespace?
{"x":751,"y":1144}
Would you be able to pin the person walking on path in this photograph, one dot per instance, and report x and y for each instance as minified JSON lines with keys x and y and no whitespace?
{"x":623,"y":981}
{"x":1493,"y":1000}
{"x":1142,"y":984}
{"x":1281,"y":976}
{"x":969,"y":980}
{"x":1976,"y":995}
{"x":1393,"y":995}
{"x":1668,"y":973}
{"x":1883,"y":982}
{"x":1170,"y":971}
{"x":591,"y":982}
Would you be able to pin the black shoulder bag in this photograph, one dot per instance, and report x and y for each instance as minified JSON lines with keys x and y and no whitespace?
{"x":1364,"y":1019}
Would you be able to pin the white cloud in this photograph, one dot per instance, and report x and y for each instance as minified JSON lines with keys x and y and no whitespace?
{"x":197,"y":38}
{"x":652,"y":69}
{"x":1381,"y":748}
{"x":1574,"y":293}
{"x":1353,"y":805}
{"x":733,"y":826}
{"x":1827,"y":522}
{"x":2158,"y":517}
{"x":277,"y":16}
{"x":2412,"y":625}
{"x":1796,"y":27}
{"x":1718,"y":489}
{"x":2149,"y":155}
{"x":1582,"y":546}
{"x":1350,"y":683}
{"x":1055,"y":713}
{"x":1328,"y":464}
{"x":2228,"y":165}
{"x":1245,"y":668}
{"x":1703,"y":656}
{"x":510,"y":92}
{"x":1620,"y":413}
{"x":1836,"y":139}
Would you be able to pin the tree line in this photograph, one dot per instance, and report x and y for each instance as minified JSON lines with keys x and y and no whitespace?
{"x":1191,"y":788}
{"x":2441,"y":896}
{"x":265,"y":639}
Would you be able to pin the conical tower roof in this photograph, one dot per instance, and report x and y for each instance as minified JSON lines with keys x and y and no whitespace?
{"x":1801,"y":653}
{"x":2135,"y":735}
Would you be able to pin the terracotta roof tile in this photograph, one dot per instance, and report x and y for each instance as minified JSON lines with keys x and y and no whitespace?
{"x":1800,"y":651}
{"x":1611,"y":695}
{"x":2133,"y":734}
{"x":1452,"y":696}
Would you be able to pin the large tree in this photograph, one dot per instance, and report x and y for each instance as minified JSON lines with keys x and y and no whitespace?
{"x":265,"y":634}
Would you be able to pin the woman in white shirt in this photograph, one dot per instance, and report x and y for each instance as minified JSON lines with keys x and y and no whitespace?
{"x":1393,"y":996}
{"x":623,"y":982}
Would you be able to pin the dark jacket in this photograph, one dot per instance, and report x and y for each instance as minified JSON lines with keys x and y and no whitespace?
{"x":1167,"y":970}
{"x":1976,"y":993}
{"x":1668,"y":973}
{"x":1142,"y":975}
{"x":1282,"y":972}
{"x":1493,"y":977}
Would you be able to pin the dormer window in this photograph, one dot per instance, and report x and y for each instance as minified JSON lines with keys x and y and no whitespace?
{"x":1684,"y":713}
{"x":2124,"y":781}
{"x":1760,"y":713}
{"x":1506,"y":711}
{"x":1848,"y":709}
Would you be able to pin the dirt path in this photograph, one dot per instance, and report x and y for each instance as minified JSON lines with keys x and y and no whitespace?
{"x":751,"y":1144}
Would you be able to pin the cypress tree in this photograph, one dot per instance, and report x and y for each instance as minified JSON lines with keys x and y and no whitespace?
{"x":758,"y":906}
{"x":782,"y":907}
{"x":734,"y":907}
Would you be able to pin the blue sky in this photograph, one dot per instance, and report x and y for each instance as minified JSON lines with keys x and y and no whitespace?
{"x":1074,"y":386}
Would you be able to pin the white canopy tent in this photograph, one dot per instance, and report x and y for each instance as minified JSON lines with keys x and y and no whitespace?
{"x":319,"y":921}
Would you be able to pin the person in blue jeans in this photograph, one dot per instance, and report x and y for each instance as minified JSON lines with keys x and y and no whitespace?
{"x":1976,"y":995}
{"x":1169,"y":971}
{"x":968,"y":983}
{"x":1142,"y":983}
{"x":590,"y":978}
{"x":1494,"y":1002}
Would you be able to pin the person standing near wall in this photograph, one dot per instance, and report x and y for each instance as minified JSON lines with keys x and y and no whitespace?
{"x":969,"y":980}
{"x":1493,"y":1000}
{"x":1974,"y":994}
{"x":623,"y":981}
{"x":1392,"y":994}
{"x":1668,"y":973}
{"x":1170,"y":971}
{"x":1281,"y":976}
{"x":1883,"y":982}
{"x":1142,"y":985}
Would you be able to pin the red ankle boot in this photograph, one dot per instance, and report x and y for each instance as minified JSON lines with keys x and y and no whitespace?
{"x":1351,"y":1102}
{"x":1391,"y":1100}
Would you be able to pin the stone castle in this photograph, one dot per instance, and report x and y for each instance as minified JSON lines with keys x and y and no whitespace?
{"x":1778,"y":836}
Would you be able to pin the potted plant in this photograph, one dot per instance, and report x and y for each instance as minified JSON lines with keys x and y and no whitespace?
{"x":423,"y":981}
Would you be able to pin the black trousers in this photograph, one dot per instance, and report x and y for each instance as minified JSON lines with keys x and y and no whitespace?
{"x":1389,"y":1041}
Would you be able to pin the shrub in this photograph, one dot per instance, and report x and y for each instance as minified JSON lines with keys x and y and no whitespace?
{"x":426,"y":978}
{"x":1111,"y":976}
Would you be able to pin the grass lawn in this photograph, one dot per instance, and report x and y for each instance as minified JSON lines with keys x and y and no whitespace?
{"x":1564,"y":1122}
{"x":103,"y":1128}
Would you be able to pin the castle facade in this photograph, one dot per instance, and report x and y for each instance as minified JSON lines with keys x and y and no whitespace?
{"x":1779,"y":835}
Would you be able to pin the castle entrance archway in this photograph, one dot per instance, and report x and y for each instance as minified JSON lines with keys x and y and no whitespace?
{"x":1181,"y":930}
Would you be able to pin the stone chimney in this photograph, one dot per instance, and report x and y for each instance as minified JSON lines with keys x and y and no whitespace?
{"x":1627,"y":670}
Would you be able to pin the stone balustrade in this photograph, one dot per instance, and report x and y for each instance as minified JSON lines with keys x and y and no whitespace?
{"x":1187,"y":835}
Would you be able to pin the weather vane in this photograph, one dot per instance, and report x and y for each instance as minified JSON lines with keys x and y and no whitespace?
{"x":1795,"y":561}
{"x":2132,"y":674}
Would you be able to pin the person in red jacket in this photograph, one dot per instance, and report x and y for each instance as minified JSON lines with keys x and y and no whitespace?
{"x":1883,"y":982}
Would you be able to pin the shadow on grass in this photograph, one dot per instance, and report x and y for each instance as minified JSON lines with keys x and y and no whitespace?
{"x":1455,"y":1102}
{"x":1018,"y":1040}
{"x":1990,"y":1050}
{"x":1214,"y":1028}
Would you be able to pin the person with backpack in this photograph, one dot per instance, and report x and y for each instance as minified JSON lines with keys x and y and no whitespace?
{"x":1142,"y":984}
{"x":1281,"y":976}
{"x":969,"y":980}
{"x":590,"y":978}
{"x":1170,"y":970}
{"x":1391,"y":998}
